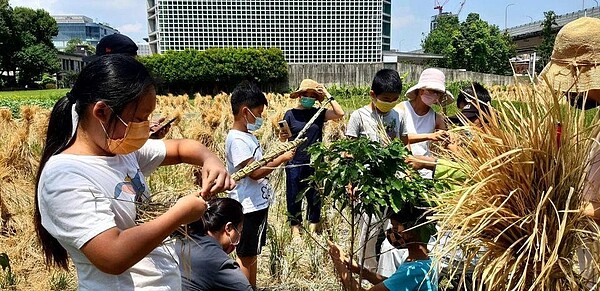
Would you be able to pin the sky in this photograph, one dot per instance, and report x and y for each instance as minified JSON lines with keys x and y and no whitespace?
{"x":410,"y":18}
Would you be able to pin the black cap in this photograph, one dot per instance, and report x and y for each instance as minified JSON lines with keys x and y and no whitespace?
{"x":114,"y":44}
{"x":470,"y":111}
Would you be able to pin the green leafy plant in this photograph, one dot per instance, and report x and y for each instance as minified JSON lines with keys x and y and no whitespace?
{"x":364,"y":176}
{"x":9,"y":280}
{"x":62,"y":281}
{"x":378,"y":174}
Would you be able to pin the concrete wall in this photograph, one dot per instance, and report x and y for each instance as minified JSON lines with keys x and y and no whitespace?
{"x":362,"y":74}
{"x":329,"y":74}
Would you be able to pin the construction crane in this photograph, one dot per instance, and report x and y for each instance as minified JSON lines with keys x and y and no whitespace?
{"x":439,"y":7}
{"x":462,"y":4}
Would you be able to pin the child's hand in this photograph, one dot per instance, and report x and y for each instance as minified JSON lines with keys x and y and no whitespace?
{"x":420,"y":162}
{"x":156,"y":132}
{"x":323,"y":93}
{"x":189,"y":208}
{"x":440,"y":135}
{"x":215,"y":178}
{"x":287,"y":156}
{"x":337,"y":255}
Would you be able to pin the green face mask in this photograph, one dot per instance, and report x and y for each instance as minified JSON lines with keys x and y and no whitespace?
{"x":307,"y":102}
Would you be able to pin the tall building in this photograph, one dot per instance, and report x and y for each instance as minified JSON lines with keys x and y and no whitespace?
{"x":308,"y":31}
{"x":79,"y":26}
{"x":143,"y":49}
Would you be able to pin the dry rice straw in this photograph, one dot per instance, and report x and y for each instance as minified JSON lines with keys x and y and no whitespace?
{"x":516,"y":219}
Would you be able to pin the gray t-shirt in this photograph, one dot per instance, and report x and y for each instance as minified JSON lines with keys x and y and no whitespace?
{"x":366,"y":122}
{"x":205,"y":266}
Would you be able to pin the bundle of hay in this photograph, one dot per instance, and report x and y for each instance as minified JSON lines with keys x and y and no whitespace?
{"x":517,"y":218}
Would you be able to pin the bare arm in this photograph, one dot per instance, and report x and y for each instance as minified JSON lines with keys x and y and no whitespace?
{"x":336,"y":112}
{"x":215,"y":178}
{"x":439,"y":135}
{"x":114,"y":250}
{"x":440,"y":122}
{"x":421,"y":162}
{"x":267,"y":169}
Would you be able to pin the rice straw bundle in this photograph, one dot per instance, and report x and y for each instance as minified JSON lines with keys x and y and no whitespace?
{"x":269,"y":156}
{"x":518,"y":212}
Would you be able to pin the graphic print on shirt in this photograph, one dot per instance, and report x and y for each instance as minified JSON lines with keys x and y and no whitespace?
{"x":266,"y":189}
{"x":132,"y":186}
{"x":390,"y":128}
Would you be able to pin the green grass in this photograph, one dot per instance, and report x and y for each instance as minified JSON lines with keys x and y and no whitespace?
{"x":54,"y":94}
{"x":43,"y":98}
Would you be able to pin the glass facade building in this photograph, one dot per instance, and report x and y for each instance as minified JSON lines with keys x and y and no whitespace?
{"x":308,"y":31}
{"x":79,"y":26}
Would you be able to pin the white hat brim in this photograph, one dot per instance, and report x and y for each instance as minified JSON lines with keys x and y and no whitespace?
{"x":411,"y":93}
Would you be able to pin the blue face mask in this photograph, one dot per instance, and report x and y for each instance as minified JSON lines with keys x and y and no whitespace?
{"x":307,"y":102}
{"x":256,"y":125}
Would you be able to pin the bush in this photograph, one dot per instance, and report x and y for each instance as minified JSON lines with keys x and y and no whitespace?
{"x":217,"y":69}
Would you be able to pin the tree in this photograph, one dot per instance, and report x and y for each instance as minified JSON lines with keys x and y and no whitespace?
{"x":9,"y":44}
{"x":548,"y":36}
{"x":74,"y":42}
{"x":474,"y":45}
{"x":26,"y":43}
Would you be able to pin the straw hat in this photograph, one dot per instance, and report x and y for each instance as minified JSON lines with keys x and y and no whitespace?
{"x":575,"y":61}
{"x":307,"y":85}
{"x":432,"y":79}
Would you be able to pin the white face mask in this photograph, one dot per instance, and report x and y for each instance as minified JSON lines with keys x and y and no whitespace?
{"x":257,"y":123}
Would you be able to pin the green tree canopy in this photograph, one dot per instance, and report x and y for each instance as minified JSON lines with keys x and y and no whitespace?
{"x":474,"y":45}
{"x":74,"y":42}
{"x":545,"y":48}
{"x":26,"y":43}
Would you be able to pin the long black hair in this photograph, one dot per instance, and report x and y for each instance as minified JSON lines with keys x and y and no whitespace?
{"x":220,"y":211}
{"x":117,"y":80}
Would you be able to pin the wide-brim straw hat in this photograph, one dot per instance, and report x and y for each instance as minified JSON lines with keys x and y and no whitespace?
{"x":431,"y":79}
{"x":575,"y":62}
{"x":307,"y":85}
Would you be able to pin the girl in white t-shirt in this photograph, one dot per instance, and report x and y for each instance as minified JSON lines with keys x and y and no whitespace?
{"x":92,"y":173}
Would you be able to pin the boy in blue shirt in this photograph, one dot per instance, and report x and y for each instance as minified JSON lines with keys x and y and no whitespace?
{"x":415,"y":273}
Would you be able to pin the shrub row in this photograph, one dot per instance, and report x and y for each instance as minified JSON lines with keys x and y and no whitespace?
{"x":217,"y":69}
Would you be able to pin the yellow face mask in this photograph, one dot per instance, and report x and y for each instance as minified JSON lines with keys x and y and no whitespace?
{"x":383,"y":106}
{"x":136,"y":135}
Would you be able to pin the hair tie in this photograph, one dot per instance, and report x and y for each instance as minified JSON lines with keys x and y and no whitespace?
{"x":71,"y":97}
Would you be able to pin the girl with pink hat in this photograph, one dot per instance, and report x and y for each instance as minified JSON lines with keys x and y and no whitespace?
{"x":421,"y":123}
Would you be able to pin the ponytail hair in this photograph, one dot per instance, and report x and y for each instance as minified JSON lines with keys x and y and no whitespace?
{"x":220,"y":212}
{"x":117,"y":80}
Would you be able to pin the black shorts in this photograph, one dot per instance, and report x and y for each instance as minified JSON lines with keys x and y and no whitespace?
{"x":254,"y":234}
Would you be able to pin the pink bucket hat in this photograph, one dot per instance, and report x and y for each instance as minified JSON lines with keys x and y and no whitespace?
{"x":432,"y":79}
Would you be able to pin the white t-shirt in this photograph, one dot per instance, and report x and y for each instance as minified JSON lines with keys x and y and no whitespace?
{"x":253,"y":194}
{"x":416,"y":124}
{"x":82,"y":196}
{"x":366,"y":122}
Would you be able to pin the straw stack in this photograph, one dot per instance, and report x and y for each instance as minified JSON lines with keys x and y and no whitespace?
{"x":517,"y":217}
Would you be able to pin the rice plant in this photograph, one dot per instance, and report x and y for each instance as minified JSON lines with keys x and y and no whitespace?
{"x":517,"y":218}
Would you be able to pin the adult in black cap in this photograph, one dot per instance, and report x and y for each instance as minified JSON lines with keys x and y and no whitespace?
{"x":114,"y":44}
